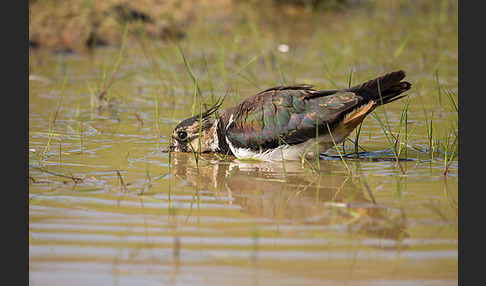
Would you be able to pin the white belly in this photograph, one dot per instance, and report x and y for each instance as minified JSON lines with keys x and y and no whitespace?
{"x":308,"y":149}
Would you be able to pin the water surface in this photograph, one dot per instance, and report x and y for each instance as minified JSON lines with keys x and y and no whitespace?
{"x":107,"y":207}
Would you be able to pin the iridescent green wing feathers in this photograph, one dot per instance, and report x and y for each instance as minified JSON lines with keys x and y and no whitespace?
{"x":287,"y":114}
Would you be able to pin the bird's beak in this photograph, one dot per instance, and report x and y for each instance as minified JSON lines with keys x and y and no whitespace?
{"x":169,"y":148}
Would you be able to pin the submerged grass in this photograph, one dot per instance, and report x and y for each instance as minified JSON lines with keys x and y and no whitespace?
{"x":337,"y":149}
{"x":197,"y":152}
{"x":56,"y":106}
{"x":450,"y":145}
{"x":106,"y":84}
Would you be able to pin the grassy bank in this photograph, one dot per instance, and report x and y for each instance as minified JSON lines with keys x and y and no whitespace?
{"x":82,"y":25}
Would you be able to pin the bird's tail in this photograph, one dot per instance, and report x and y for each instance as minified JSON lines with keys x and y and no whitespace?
{"x":384,"y":89}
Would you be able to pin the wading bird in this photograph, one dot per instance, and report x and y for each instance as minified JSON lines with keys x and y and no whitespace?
{"x":287,"y":122}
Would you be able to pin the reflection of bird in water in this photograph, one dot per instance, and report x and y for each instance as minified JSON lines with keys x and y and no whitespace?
{"x":266,"y":190}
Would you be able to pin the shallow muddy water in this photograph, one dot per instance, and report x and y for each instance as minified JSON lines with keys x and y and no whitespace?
{"x":108,"y":207}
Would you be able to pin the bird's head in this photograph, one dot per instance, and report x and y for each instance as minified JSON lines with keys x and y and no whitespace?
{"x":186,"y":135}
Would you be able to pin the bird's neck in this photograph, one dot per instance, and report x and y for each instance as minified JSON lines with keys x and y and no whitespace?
{"x":209,"y":138}
{"x":213,"y":137}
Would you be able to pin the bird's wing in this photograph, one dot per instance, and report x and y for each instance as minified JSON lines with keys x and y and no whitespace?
{"x":287,"y":114}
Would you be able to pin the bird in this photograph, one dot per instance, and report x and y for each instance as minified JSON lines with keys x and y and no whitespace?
{"x":287,"y":122}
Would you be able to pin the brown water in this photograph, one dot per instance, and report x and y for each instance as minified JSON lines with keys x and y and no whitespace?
{"x":107,"y":207}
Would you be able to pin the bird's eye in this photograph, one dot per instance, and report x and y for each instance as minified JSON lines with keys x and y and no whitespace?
{"x":182,"y":135}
